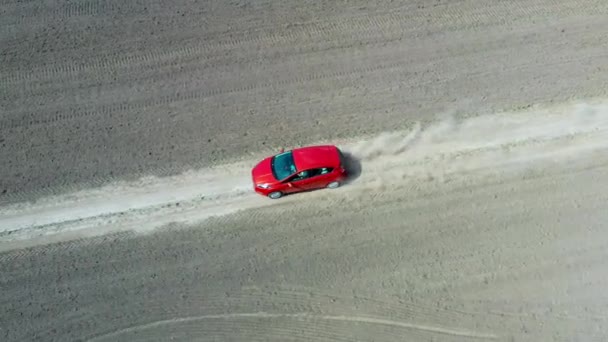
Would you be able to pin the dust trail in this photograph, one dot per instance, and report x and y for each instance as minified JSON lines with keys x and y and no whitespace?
{"x":492,"y":142}
{"x":216,"y":184}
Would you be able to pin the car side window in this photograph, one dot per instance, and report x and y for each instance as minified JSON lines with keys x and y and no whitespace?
{"x":302,"y":175}
{"x":306,"y":174}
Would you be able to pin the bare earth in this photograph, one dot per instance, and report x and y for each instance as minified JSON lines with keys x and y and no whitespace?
{"x":461,"y":225}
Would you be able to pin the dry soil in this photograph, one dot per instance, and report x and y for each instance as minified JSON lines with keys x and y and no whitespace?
{"x":462,"y":225}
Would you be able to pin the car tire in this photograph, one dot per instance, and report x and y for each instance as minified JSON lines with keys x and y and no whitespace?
{"x":275,"y":195}
{"x":333,"y":185}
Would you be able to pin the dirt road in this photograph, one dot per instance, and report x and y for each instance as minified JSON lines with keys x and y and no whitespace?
{"x":507,"y":258}
{"x":458,"y":226}
{"x":92,"y":93}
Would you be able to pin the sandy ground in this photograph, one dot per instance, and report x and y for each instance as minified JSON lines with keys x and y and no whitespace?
{"x":478,"y":254}
{"x":92,"y":93}
{"x":459,"y":225}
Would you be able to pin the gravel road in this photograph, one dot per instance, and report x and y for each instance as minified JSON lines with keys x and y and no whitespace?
{"x":460,"y":226}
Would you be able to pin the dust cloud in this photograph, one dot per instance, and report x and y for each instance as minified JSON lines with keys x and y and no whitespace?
{"x":493,"y":143}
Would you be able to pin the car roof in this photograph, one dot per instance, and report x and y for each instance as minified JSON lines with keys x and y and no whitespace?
{"x":312,"y":157}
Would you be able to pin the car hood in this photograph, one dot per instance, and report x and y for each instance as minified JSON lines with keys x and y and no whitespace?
{"x":262,"y":172}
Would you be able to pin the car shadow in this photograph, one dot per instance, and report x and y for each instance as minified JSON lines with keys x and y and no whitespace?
{"x":353,"y":167}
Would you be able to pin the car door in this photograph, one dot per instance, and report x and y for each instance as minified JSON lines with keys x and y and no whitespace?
{"x":315,"y":179}
{"x":325,"y":176}
{"x":302,"y":181}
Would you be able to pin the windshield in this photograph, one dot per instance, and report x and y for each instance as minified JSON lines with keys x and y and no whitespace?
{"x":283,"y":165}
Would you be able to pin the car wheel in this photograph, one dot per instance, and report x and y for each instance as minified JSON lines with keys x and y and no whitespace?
{"x":275,"y":195}
{"x":333,"y":185}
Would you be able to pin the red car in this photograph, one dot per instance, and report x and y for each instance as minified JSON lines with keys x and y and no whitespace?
{"x":300,"y":169}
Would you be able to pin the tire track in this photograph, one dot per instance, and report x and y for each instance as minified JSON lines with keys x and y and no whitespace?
{"x":311,"y":306}
{"x":343,"y":202}
{"x":182,"y":94}
{"x":306,"y":318}
{"x":391,"y":25}
{"x":99,"y":181}
{"x":218,"y":44}
{"x":498,"y":44}
{"x":31,"y":120}
{"x":163,"y":171}
{"x":74,"y":116}
{"x":351,"y":77}
{"x":198,"y":294}
{"x":96,"y":182}
{"x":418,"y":163}
{"x":59,"y":247}
{"x":33,"y":13}
{"x":201,"y":53}
{"x":220,"y":328}
{"x":174,"y":59}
